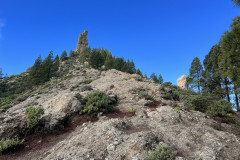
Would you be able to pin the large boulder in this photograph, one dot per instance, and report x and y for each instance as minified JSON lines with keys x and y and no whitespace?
{"x":182,"y":82}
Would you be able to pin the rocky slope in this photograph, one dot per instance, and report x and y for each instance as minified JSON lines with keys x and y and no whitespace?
{"x":115,"y":136}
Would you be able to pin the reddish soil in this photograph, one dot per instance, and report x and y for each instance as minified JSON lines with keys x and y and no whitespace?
{"x":119,"y":114}
{"x":155,"y":105}
{"x":35,"y":145}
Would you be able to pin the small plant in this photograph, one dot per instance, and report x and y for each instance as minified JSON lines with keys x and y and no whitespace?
{"x":86,"y":88}
{"x":96,"y":102}
{"x":121,"y":125}
{"x":178,"y":108}
{"x":33,"y":115}
{"x":131,"y":110}
{"x":145,"y":96}
{"x":9,"y":144}
{"x":162,"y":152}
{"x":139,"y":79}
{"x":87,"y":81}
{"x":149,"y":103}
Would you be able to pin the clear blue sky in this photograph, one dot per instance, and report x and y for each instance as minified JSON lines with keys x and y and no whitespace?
{"x":160,"y":36}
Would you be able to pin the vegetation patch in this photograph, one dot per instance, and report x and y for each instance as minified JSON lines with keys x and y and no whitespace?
{"x":162,"y":152}
{"x":131,"y":110}
{"x":96,"y":102}
{"x":122,"y":125}
{"x":145,"y":95}
{"x":33,"y":115}
{"x":9,"y":145}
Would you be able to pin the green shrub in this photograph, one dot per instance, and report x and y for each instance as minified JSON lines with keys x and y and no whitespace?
{"x":33,"y":115}
{"x":5,"y":103}
{"x":162,"y":152}
{"x":139,"y":79}
{"x":131,"y":110}
{"x":87,"y":81}
{"x":86,"y":88}
{"x":9,"y":144}
{"x":220,"y":108}
{"x":22,"y":98}
{"x":201,"y":103}
{"x":145,"y":96}
{"x":178,"y":108}
{"x":122,"y":125}
{"x":171,"y":95}
{"x":95,"y":102}
{"x":167,"y":84}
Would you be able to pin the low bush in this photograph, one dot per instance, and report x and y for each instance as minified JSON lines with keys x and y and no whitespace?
{"x":162,"y":152}
{"x":87,"y":81}
{"x":145,"y":96}
{"x":131,"y":110}
{"x":122,"y":125}
{"x":9,"y":144}
{"x":200,"y":103}
{"x":171,"y":95}
{"x":33,"y":115}
{"x":95,"y":102}
{"x":220,"y":108}
{"x":86,"y":88}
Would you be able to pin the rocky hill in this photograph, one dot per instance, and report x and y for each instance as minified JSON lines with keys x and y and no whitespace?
{"x":143,"y":117}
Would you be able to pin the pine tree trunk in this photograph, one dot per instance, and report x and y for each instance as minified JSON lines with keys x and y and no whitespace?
{"x":236,"y":98}
{"x":227,"y":90}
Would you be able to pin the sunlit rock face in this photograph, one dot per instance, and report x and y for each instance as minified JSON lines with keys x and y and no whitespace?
{"x":82,"y":41}
{"x":182,"y":82}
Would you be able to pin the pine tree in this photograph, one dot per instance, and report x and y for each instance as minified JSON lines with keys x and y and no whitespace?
{"x":63,"y":56}
{"x":230,"y":44}
{"x":138,"y":71}
{"x":36,"y":72}
{"x":47,"y":66}
{"x":160,"y":79}
{"x":109,"y":63}
{"x":237,"y":2}
{"x":85,"y":53}
{"x":195,"y":75}
{"x":95,"y":59}
{"x":119,"y":64}
{"x":104,"y":53}
{"x":55,"y":65}
{"x":154,"y":77}
{"x":132,"y":67}
{"x":145,"y":75}
{"x":212,"y":75}
{"x":1,"y":74}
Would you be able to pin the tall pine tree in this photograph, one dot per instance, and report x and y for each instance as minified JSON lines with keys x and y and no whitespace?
{"x":63,"y":55}
{"x":230,"y":44}
{"x":195,"y":74}
{"x":36,"y":72}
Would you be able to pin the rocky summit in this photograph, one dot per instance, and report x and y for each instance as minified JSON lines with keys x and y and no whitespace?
{"x":82,"y":41}
{"x":106,"y":114}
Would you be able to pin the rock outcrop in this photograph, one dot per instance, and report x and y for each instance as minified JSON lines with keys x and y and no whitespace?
{"x":182,"y":82}
{"x":82,"y":41}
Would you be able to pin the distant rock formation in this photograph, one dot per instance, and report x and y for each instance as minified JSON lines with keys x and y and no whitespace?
{"x":82,"y":41}
{"x":182,"y":82}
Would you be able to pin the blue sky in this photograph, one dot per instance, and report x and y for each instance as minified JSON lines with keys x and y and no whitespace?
{"x":160,"y":36}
